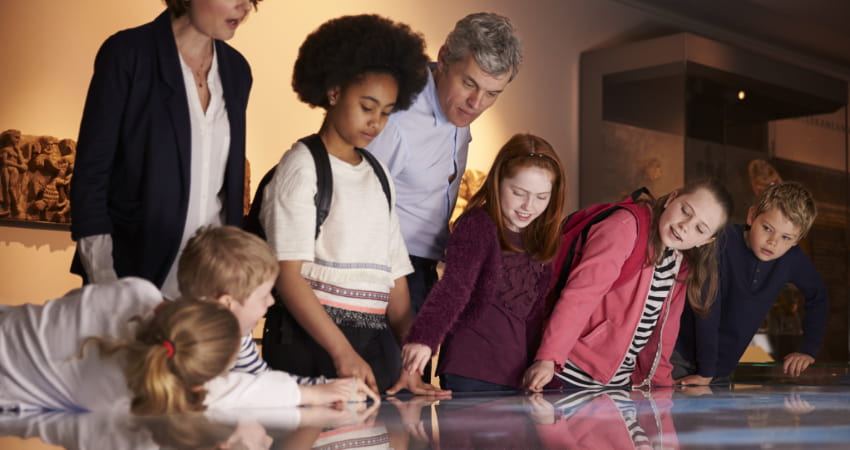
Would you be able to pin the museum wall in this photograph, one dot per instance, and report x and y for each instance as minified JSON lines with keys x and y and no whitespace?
{"x":48,"y":47}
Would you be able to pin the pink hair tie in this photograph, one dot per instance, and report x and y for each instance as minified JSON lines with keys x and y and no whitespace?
{"x":170,"y":346}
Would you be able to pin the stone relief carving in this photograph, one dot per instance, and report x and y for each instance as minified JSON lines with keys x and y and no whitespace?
{"x":35,"y":177}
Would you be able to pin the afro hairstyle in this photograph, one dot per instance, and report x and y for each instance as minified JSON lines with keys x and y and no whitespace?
{"x":343,"y":49}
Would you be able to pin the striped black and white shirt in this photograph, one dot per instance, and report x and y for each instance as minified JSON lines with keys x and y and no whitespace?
{"x":248,"y":360}
{"x":663,"y":279}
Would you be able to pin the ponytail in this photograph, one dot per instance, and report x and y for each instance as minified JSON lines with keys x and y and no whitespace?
{"x":185,"y":344}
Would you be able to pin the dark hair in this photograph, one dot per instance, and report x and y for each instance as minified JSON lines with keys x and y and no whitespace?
{"x":179,"y":7}
{"x":541,"y":236}
{"x":344,"y":49}
{"x":702,"y":260}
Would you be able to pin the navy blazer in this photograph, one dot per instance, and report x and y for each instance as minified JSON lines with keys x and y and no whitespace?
{"x":133,"y":162}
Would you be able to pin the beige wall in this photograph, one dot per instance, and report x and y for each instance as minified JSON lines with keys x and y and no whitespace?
{"x":48,"y":47}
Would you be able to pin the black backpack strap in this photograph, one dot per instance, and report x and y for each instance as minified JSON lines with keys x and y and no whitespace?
{"x":324,"y":185}
{"x":324,"y":178}
{"x":379,"y":171}
{"x":640,"y":191}
{"x":252,"y":223}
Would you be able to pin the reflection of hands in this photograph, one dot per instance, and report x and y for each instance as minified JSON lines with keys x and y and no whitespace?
{"x":338,"y":416}
{"x":413,"y":383}
{"x":795,"y":404}
{"x":341,"y":390}
{"x":693,"y":380}
{"x":410,"y":413}
{"x":414,"y":358}
{"x":538,"y":375}
{"x":540,"y":410}
{"x":695,"y":390}
{"x":249,"y":436}
{"x":795,"y":363}
{"x":350,"y":364}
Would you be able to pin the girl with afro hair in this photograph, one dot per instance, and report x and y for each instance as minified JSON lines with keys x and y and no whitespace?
{"x":340,"y":287}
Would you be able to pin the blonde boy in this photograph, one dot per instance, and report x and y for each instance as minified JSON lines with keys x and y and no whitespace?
{"x":755,"y":262}
{"x":238,"y":270}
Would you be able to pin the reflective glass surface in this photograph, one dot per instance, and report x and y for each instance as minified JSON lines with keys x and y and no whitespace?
{"x":762,"y":408}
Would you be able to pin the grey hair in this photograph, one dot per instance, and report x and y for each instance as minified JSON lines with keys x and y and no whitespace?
{"x":490,"y":38}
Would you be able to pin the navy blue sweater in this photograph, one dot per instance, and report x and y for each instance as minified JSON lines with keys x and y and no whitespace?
{"x":748,"y":289}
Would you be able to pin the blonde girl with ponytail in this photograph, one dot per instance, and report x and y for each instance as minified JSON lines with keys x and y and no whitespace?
{"x":118,"y":347}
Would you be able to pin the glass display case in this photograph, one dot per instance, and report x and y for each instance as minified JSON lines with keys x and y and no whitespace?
{"x":661,"y":112}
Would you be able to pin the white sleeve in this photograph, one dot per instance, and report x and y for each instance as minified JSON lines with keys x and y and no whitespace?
{"x":288,"y":213}
{"x":96,"y":256}
{"x":270,"y":389}
{"x":278,"y":419}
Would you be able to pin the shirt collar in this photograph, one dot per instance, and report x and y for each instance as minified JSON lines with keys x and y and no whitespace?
{"x":430,"y":93}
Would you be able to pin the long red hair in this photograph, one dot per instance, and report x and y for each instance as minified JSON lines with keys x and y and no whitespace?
{"x":542,"y":236}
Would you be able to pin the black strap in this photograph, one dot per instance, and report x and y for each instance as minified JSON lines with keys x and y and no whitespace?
{"x":251,"y":223}
{"x":379,"y":171}
{"x":324,"y":178}
{"x":324,"y":185}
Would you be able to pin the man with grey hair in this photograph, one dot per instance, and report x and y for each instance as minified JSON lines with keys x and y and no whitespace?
{"x":425,"y":147}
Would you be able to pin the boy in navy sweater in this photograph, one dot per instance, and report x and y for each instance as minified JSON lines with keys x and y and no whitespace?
{"x":755,"y":261}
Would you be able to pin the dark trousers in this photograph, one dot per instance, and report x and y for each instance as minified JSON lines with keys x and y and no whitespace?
{"x":288,"y":347}
{"x":419,"y":283}
{"x":457,"y":383}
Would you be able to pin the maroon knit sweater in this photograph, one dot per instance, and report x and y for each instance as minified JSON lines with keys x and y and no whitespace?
{"x":487,"y":309}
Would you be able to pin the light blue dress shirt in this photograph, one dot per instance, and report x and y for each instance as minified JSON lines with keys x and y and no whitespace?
{"x":423,"y":150}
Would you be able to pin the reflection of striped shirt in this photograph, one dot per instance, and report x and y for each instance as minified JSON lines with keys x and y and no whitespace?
{"x":663,"y":279}
{"x":628,"y":410}
{"x":248,"y":360}
{"x":571,"y":404}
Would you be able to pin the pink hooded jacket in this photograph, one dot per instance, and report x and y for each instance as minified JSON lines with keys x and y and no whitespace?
{"x":593,"y":324}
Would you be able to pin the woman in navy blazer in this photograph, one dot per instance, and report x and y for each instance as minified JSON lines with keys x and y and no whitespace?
{"x":154,"y":142}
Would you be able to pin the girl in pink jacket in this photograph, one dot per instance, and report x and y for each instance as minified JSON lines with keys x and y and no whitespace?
{"x":602,"y":334}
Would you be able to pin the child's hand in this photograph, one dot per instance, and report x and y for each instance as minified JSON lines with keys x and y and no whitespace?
{"x":541,"y":411}
{"x":341,"y":390}
{"x":695,"y":390}
{"x":538,"y":375}
{"x":338,"y":416}
{"x":410,"y":413}
{"x":414,"y":358}
{"x":249,"y":435}
{"x":413,"y":383}
{"x":795,"y":404}
{"x":694,"y":380}
{"x":795,"y":363}
{"x":351,"y":364}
